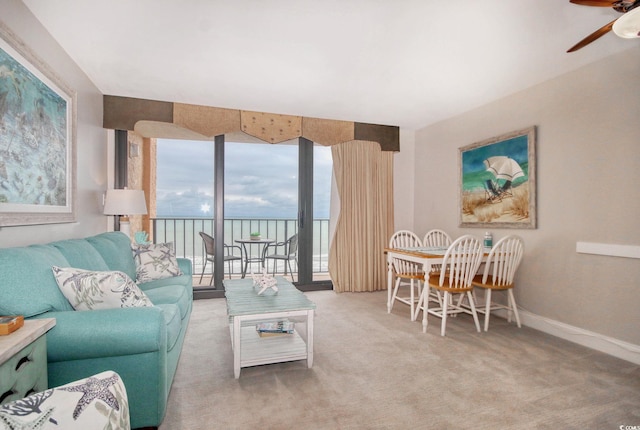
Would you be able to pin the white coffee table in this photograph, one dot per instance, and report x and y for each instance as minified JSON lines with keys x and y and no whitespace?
{"x":246,"y":309}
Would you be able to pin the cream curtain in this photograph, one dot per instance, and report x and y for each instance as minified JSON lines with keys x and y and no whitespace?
{"x":364,"y":177}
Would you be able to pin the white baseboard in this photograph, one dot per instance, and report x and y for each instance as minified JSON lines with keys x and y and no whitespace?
{"x":608,"y":345}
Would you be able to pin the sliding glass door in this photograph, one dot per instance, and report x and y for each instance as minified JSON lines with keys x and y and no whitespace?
{"x":270,"y":190}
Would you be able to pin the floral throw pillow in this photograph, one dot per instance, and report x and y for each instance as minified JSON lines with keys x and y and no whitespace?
{"x":99,"y":401}
{"x":87,"y":290}
{"x":155,"y":261}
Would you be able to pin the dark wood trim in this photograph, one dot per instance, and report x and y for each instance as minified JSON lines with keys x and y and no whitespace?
{"x":122,"y":113}
{"x":386,"y":135}
{"x":120,"y":166}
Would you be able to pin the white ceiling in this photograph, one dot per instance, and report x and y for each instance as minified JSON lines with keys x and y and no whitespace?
{"x":408,"y":63}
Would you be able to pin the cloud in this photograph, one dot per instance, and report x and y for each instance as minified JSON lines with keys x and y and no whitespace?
{"x":261,"y":180}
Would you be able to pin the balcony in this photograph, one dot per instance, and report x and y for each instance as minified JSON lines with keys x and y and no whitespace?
{"x":184,"y":233}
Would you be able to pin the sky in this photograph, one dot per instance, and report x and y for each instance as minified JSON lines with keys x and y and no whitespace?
{"x":260,"y":179}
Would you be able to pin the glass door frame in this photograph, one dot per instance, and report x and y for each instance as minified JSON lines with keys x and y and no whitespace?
{"x":305,"y":216}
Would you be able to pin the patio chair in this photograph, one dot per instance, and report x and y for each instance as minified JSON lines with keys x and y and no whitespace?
{"x":492,"y":191}
{"x":506,"y":189}
{"x":209,"y":246}
{"x":290,"y":253}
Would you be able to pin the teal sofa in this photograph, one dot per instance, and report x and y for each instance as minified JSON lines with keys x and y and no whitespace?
{"x":141,"y":344}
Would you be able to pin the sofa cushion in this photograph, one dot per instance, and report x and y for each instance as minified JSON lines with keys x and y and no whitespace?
{"x":155,"y":261}
{"x":173,"y":323}
{"x":79,"y":253}
{"x":113,"y":248}
{"x":89,"y":290}
{"x":180,"y":297}
{"x":27,"y":286}
{"x":183,"y":280}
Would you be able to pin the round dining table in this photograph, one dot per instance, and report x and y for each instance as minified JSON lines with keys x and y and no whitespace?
{"x":246,"y":248}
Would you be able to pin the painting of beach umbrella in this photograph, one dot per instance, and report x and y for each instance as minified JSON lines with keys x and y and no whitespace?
{"x":504,"y":167}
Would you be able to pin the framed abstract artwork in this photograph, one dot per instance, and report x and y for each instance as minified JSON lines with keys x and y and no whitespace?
{"x":498,"y":181}
{"x":37,"y":139}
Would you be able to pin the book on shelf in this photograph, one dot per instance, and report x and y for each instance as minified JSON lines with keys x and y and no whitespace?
{"x":275,"y":327}
{"x":11,"y":323}
{"x":273,"y":333}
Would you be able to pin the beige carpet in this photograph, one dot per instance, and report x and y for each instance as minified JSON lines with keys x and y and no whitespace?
{"x":374,"y":370}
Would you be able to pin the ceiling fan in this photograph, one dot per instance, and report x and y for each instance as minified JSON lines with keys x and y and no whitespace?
{"x":627,"y":26}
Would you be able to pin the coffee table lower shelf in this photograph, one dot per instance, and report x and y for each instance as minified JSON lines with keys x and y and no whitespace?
{"x":257,"y":350}
{"x":250,"y":349}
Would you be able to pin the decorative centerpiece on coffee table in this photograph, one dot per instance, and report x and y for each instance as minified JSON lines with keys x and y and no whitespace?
{"x":255,"y":236}
{"x":264,"y":281}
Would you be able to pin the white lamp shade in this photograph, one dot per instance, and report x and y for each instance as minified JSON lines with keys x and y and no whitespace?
{"x":628,"y":25}
{"x":125,"y":202}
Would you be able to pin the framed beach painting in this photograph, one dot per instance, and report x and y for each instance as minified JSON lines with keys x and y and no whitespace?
{"x":498,"y":181}
{"x":37,"y":139}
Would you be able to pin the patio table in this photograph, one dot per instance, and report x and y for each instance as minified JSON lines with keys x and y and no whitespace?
{"x":247,"y":255}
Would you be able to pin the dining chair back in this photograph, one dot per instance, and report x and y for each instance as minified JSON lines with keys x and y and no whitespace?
{"x":405,"y":272}
{"x":499,"y":273}
{"x":441,"y":239}
{"x":436,"y":238}
{"x":459,"y":265}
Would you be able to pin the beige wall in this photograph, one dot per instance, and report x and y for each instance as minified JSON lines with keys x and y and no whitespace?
{"x":91,"y":137}
{"x":588,"y":170}
{"x":403,"y":181}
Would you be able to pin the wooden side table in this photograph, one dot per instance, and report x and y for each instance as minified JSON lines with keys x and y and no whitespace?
{"x":23,"y":360}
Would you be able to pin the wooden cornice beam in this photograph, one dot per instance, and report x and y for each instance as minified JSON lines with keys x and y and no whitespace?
{"x":123,"y":113}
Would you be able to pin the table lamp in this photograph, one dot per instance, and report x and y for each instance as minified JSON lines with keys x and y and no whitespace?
{"x":124,"y":203}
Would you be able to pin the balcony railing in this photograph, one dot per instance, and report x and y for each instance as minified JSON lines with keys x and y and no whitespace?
{"x":184,"y":233}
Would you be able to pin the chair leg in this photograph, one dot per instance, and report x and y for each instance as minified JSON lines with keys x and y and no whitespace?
{"x":445,"y":303}
{"x":412,"y":304}
{"x":244,"y":268}
{"x":439,"y":298}
{"x":415,"y":306}
{"x":203,"y":267}
{"x":290,"y":270}
{"x":473,"y":310}
{"x":514,"y":307}
{"x":414,"y":317}
{"x":487,"y":308}
{"x":425,"y":310}
{"x":392,"y":300}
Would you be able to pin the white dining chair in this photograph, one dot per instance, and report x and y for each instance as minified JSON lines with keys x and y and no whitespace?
{"x":406,"y":272}
{"x":459,"y":265}
{"x":438,"y":239}
{"x":499,"y":273}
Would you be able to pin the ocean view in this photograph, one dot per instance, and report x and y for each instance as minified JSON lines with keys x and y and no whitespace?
{"x":184,"y":233}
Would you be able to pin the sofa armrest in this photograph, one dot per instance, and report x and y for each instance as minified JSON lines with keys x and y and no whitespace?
{"x":80,"y":335}
{"x":185,"y":266}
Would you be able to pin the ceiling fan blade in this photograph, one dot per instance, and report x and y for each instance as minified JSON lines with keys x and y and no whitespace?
{"x":597,"y":3}
{"x":593,"y":36}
